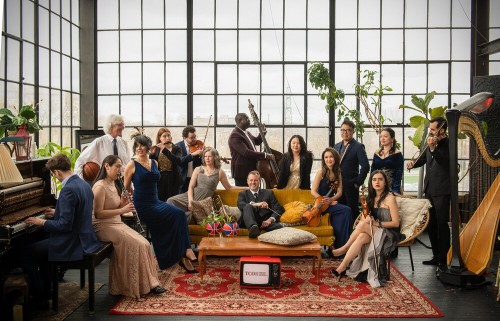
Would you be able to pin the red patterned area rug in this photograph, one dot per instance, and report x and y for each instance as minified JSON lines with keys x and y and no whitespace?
{"x":299,"y":295}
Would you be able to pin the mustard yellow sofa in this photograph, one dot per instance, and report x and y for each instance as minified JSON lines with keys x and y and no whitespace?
{"x":324,"y":231}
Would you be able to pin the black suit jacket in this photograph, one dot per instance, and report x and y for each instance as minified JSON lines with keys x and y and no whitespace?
{"x":355,"y":166}
{"x":306,"y":162}
{"x":243,"y":157}
{"x":185,"y":159}
{"x":437,"y":169}
{"x":264,"y":195}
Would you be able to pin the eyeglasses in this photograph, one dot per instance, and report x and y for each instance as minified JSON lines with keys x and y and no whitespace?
{"x":345,"y":130}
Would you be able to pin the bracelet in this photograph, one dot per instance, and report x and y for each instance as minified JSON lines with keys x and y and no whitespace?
{"x":379,"y":224}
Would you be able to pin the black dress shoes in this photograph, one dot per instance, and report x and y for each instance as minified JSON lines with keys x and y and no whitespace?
{"x":253,"y":231}
{"x":158,"y":290}
{"x":433,"y":261}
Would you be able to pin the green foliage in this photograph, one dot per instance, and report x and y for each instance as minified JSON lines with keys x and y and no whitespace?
{"x":420,"y":122}
{"x":51,"y":149}
{"x":26,"y":116}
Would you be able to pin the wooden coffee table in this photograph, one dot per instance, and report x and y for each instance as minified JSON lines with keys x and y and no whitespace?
{"x":242,"y":246}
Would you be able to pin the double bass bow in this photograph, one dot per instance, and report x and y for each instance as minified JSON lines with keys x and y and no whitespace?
{"x":268,"y":168}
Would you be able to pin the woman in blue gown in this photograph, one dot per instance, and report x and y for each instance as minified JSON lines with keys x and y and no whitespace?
{"x":328,"y":180}
{"x":389,"y":159}
{"x":166,"y":223}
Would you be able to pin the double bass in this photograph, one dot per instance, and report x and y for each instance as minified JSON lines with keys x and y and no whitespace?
{"x":268,"y":168}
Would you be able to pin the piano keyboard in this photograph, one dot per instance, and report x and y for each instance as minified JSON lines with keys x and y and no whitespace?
{"x":16,"y":228}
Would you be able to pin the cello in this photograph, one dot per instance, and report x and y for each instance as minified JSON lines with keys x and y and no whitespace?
{"x":268,"y":168}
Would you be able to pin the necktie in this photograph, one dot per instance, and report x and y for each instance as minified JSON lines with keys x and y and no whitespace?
{"x":115,"y":148}
{"x":256,"y":195}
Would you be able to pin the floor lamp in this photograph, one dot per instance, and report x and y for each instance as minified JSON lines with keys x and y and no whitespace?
{"x":457,"y":273}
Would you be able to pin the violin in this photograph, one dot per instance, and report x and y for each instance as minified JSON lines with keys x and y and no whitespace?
{"x":364,"y":206}
{"x":312,"y":217}
{"x":198,"y":145}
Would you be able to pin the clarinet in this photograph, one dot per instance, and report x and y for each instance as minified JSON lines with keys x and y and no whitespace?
{"x":127,"y":196}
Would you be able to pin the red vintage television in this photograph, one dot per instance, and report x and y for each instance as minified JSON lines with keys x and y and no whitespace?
{"x":260,"y":272}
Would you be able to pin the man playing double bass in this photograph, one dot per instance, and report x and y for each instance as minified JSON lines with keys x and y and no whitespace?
{"x":244,"y":154}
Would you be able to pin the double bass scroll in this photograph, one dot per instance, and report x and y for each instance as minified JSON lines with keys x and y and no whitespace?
{"x":268,"y":168}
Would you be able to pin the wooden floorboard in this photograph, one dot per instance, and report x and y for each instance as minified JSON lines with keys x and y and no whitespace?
{"x":456,"y":303}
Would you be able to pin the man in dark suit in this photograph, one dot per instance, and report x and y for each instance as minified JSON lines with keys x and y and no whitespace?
{"x":71,"y":230}
{"x":354,"y":167}
{"x":189,"y":160}
{"x":259,"y":207}
{"x":437,"y":190}
{"x":244,"y":155}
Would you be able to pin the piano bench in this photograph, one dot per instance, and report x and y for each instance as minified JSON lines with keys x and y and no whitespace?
{"x":89,"y":262}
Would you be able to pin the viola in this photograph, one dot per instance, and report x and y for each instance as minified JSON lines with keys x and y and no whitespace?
{"x":312,"y":217}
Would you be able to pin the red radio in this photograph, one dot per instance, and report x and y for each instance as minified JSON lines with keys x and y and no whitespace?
{"x":260,"y":272}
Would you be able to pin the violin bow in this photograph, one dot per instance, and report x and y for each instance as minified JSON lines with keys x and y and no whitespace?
{"x":206,"y":131}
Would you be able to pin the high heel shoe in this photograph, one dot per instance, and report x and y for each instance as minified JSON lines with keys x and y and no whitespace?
{"x":338,"y":275}
{"x":158,"y":290}
{"x":183,"y":265}
{"x":335,"y":257}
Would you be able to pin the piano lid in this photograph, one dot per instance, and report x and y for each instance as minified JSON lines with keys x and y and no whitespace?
{"x":9,"y":173}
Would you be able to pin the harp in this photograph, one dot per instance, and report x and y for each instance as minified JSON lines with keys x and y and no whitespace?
{"x":477,"y":238}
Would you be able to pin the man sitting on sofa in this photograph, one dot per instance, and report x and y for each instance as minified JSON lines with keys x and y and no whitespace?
{"x":259,"y":207}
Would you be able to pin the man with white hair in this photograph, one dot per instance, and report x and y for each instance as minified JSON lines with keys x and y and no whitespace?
{"x":111,"y":143}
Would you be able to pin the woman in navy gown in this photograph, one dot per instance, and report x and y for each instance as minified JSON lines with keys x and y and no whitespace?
{"x":389,"y":159}
{"x":326,"y":179}
{"x":166,"y":223}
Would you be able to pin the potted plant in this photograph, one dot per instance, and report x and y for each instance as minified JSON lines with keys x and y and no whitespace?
{"x":213,"y":222}
{"x":25,"y":117}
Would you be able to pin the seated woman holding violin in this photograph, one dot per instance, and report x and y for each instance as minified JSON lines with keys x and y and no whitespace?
{"x":168,"y":157}
{"x":375,"y":236}
{"x":327,"y":189}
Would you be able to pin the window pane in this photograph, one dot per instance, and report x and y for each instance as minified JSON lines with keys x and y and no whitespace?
{"x":153,"y":45}
{"x":392,"y":13}
{"x":176,"y":78}
{"x":152,"y":14}
{"x":439,"y":44}
{"x":295,"y":14}
{"x":460,"y":49}
{"x":176,"y":110}
{"x":272,"y":14}
{"x":203,"y":107}
{"x":43,"y":31}
{"x":107,"y":14}
{"x":109,"y":80}
{"x":226,"y":45}
{"x":460,"y":75}
{"x":75,"y":73}
{"x":130,"y":14}
{"x":108,"y":105}
{"x":249,"y":79}
{"x":416,"y":13}
{"x":66,"y":73}
{"x":271,"y":110}
{"x":75,"y":39}
{"x":203,"y":13}
{"x":346,"y":14}
{"x":28,"y":21}
{"x":413,"y":44}
{"x":438,"y":78}
{"x":66,"y":109}
{"x":55,"y":32}
{"x":318,"y":14}
{"x":316,"y":113}
{"x":249,"y":14}
{"x":227,"y":107}
{"x":55,"y":107}
{"x":28,"y":95}
{"x":226,"y":13}
{"x":131,"y":106}
{"x":294,"y":79}
{"x":55,"y":69}
{"x":392,"y":44}
{"x":249,"y":48}
{"x":154,"y":75}
{"x":272,"y":45}
{"x":55,"y":6}
{"x":318,"y":45}
{"x":345,"y":45}
{"x":13,"y":17}
{"x":226,"y":79}
{"x":460,"y":14}
{"x":391,"y":111}
{"x":75,"y":13}
{"x":43,"y":67}
{"x":294,"y":110}
{"x":65,"y":10}
{"x":392,"y":76}
{"x":295,"y":45}
{"x":272,"y":79}
{"x":316,"y":140}
{"x":345,"y":77}
{"x":28,"y":63}
{"x":175,"y":14}
{"x":2,"y":64}
{"x":203,"y":45}
{"x":130,"y":46}
{"x":130,"y":78}
{"x":12,"y":95}
{"x":66,"y":37}
{"x":415,"y":79}
{"x":369,"y":45}
{"x":154,"y":110}
{"x":107,"y":46}
{"x":175,"y":41}
{"x":203,"y":78}
{"x":439,"y":13}
{"x":43,"y":107}
{"x":75,"y":120}
{"x":369,"y":14}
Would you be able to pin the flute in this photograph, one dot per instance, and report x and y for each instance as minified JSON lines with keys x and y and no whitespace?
{"x":127,"y":196}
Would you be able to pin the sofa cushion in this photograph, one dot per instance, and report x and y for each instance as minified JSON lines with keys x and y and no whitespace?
{"x":293,"y":212}
{"x":233,"y":211}
{"x":411,"y":212}
{"x":287,"y":236}
{"x":201,"y":209}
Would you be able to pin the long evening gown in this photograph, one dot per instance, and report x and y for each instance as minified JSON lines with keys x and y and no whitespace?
{"x":132,"y":270}
{"x":340,"y":216}
{"x":385,"y":240}
{"x":166,"y":223}
{"x":393,"y":166}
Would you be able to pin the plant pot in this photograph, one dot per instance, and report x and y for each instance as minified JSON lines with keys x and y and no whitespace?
{"x":23,"y":148}
{"x":231,"y":229}
{"x":213,"y":228}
